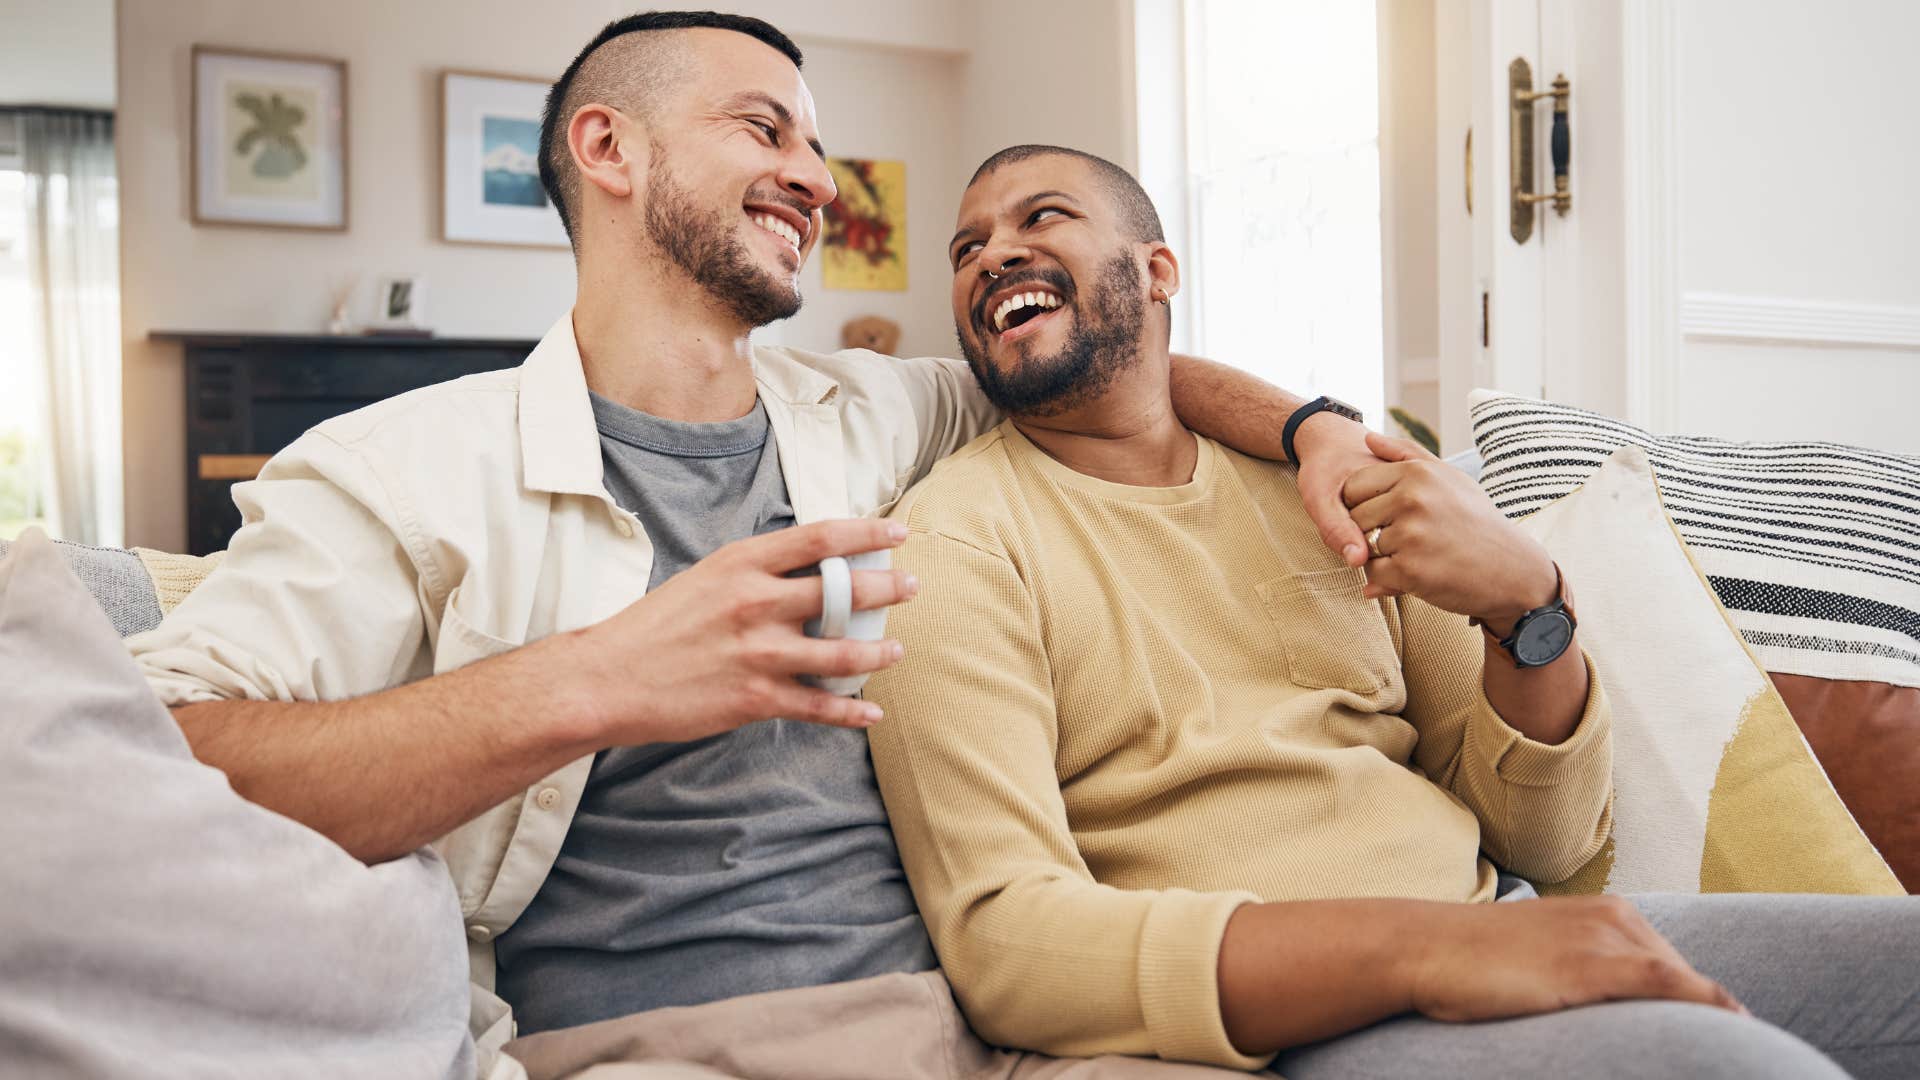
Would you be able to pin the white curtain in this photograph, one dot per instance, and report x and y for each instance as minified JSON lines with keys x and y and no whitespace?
{"x":73,"y":268}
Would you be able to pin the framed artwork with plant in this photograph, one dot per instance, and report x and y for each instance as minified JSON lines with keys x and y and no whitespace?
{"x":269,"y":139}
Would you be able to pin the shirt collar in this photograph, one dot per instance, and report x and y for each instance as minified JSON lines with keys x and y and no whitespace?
{"x":559,"y":441}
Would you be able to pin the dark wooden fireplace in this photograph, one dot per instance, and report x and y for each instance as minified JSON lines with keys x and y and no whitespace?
{"x":249,"y":395}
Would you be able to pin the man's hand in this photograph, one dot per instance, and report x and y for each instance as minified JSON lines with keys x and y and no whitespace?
{"x":1443,"y":540}
{"x":1331,"y":450}
{"x":1492,"y":961}
{"x":1301,"y":971}
{"x":718,"y":645}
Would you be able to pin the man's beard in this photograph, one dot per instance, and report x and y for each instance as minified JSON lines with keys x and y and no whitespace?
{"x":1095,"y":352}
{"x":700,"y":242}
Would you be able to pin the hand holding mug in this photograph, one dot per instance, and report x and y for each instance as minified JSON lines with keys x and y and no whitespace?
{"x":721,"y":644}
{"x":840,"y":620}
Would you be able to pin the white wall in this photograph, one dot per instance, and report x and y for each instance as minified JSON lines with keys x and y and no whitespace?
{"x":1798,"y":164}
{"x":1059,"y":72}
{"x":911,"y":120}
{"x":888,"y":80}
{"x":56,"y":53}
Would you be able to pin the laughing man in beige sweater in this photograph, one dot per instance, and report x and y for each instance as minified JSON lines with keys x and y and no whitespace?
{"x":1169,"y":779}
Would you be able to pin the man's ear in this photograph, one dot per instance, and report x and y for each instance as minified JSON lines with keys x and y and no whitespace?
{"x":593,"y":137}
{"x":1163,"y":273}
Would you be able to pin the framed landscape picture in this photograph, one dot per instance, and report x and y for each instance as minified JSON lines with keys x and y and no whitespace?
{"x":490,"y":162}
{"x":269,"y":139}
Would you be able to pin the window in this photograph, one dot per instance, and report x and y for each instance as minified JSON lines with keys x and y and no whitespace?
{"x":1283,"y":187}
{"x":22,"y":468}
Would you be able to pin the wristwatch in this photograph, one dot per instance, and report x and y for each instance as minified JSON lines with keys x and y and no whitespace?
{"x":1542,"y":634}
{"x":1322,"y":403}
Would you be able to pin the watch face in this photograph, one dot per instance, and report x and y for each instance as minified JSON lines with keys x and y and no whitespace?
{"x":1543,"y":639}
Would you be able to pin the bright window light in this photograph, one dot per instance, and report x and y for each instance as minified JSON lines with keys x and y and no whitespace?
{"x":1284,"y":186}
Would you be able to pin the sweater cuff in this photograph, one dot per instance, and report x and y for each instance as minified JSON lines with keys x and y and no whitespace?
{"x":1519,"y":760}
{"x":1180,"y":980}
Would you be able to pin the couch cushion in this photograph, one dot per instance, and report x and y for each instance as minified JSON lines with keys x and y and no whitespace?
{"x":1714,"y":789}
{"x":155,"y":923}
{"x":116,"y":579}
{"x":1867,"y":736}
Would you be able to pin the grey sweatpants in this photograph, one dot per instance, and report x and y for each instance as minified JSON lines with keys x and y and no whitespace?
{"x":1833,"y":983}
{"x":1829,"y":979}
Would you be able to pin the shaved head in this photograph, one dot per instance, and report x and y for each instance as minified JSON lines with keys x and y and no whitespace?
{"x":1128,"y":197}
{"x":631,"y":65}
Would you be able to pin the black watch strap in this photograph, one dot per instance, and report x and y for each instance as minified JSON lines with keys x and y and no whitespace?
{"x":1323,"y":403}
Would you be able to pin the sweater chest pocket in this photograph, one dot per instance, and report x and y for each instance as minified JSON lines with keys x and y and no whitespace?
{"x":1334,"y":638}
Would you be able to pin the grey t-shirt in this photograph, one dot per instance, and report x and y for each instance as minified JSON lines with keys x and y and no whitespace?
{"x":756,"y":860}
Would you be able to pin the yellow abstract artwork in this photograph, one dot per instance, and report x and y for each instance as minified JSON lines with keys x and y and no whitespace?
{"x":865,"y":245}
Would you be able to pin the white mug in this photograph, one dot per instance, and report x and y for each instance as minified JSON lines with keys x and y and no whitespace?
{"x":838,"y":619}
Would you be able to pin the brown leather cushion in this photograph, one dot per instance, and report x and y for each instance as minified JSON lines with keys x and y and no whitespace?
{"x":1867,"y":736}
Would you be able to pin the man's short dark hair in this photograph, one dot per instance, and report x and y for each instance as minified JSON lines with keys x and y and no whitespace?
{"x":637,"y":88}
{"x":1137,"y":215}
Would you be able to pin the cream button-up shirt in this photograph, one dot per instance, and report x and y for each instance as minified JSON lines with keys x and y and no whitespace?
{"x":458,"y":521}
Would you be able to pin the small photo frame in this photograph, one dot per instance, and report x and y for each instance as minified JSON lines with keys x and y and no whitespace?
{"x":490,"y":190}
{"x":399,"y":303}
{"x":269,"y":139}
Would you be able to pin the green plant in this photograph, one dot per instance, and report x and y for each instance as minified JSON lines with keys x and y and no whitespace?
{"x":20,"y":504}
{"x":1416,"y":429}
{"x":274,"y":121}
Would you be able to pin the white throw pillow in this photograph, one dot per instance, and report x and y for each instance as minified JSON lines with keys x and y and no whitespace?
{"x":1714,"y":789}
{"x":155,"y":924}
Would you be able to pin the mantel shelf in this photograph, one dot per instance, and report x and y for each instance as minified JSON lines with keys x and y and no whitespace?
{"x":205,"y":339}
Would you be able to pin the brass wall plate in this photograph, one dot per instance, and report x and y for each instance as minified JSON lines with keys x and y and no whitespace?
{"x":1520,"y":148}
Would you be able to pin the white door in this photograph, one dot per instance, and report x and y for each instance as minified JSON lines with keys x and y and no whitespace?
{"x":1742,"y":254}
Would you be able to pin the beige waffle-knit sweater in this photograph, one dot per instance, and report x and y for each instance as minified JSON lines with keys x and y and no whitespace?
{"x":1126,"y":711}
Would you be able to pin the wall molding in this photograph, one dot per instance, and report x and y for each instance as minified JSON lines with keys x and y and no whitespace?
{"x":1706,"y":316}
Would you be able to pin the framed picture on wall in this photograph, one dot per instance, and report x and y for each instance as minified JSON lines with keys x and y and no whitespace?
{"x":269,"y":139}
{"x":490,"y":189}
{"x":865,"y":242}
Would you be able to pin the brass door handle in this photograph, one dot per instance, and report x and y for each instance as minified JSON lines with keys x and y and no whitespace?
{"x":1520,"y":147}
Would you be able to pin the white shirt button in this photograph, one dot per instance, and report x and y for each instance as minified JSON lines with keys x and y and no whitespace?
{"x":478,"y":932}
{"x":623,"y":527}
{"x":547,"y":798}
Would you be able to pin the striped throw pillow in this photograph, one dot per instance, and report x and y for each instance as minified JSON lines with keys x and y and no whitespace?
{"x":1813,"y":548}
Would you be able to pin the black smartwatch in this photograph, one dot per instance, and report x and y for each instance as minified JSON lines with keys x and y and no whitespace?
{"x":1322,"y":403}
{"x":1544,"y":633}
